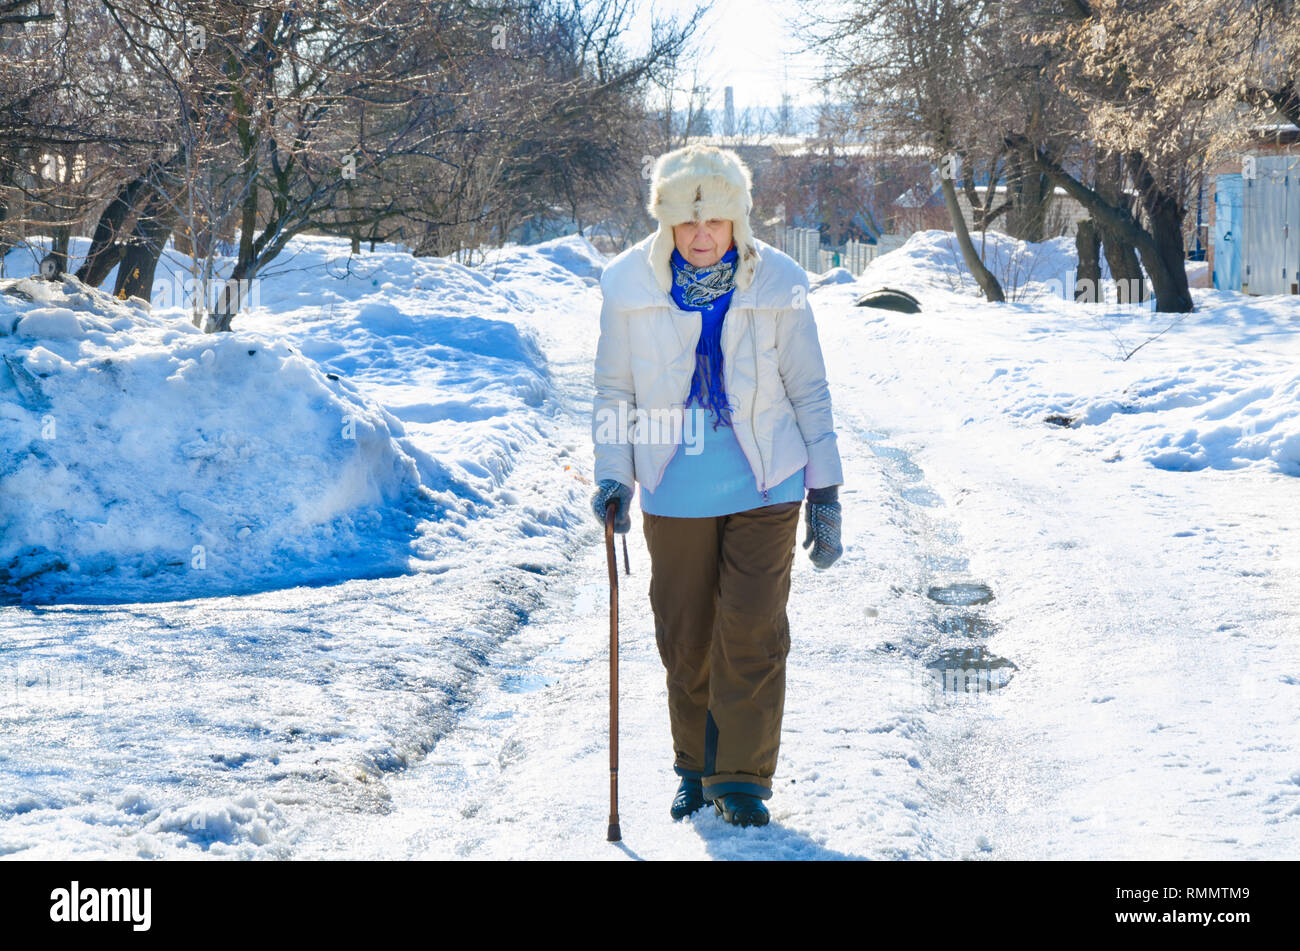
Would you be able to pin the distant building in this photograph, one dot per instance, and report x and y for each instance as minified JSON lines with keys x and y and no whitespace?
{"x":921,"y":207}
{"x":847,"y":190}
{"x":1063,"y":212}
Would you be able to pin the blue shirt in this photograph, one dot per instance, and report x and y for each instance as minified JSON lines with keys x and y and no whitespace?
{"x":709,"y":475}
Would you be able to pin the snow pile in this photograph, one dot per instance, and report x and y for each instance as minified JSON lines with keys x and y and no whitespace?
{"x":932,"y":259}
{"x":234,"y":827}
{"x":836,"y":275}
{"x":1027,"y":270}
{"x":145,"y":459}
{"x":447,"y":349}
{"x":557,"y":261}
{"x":219,"y":726}
{"x":388,"y":401}
{"x":1207,"y":416}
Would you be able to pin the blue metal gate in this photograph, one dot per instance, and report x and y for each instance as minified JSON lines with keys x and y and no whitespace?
{"x":1227,"y":232}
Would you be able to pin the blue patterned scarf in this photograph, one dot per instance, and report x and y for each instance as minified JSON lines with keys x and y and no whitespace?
{"x":708,"y":290}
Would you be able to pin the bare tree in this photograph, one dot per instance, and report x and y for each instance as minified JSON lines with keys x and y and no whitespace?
{"x":447,"y":125}
{"x":1164,"y":88}
{"x":909,"y":64}
{"x":56,"y":121}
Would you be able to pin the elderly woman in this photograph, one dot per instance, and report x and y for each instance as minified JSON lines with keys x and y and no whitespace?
{"x":711,"y":393}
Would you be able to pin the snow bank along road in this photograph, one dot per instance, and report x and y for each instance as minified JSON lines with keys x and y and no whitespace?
{"x":1041,"y":641}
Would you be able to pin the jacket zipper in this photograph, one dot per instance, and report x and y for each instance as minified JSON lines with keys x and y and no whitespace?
{"x":753,"y":406}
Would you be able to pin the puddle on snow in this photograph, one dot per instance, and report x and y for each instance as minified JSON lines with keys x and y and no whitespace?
{"x":904,"y":468}
{"x":921,"y":495}
{"x":970,"y":670}
{"x":961,"y":593}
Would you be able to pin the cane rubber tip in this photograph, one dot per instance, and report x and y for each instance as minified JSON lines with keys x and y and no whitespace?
{"x":615,"y":834}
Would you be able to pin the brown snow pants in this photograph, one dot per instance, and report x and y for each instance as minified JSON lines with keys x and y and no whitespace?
{"x":718,"y":588}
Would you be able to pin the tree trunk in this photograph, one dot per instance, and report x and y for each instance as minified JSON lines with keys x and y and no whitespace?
{"x":152,"y":228}
{"x":248,"y":216}
{"x":275,"y":236}
{"x":987,"y":282}
{"x":108,"y":244}
{"x":231,"y":299}
{"x":356,"y":225}
{"x":105,"y":251}
{"x":1160,"y":248}
{"x":6,"y":180}
{"x":1125,"y":271}
{"x":1087,"y":284}
{"x":1121,"y":256}
{"x":59,"y":246}
{"x":1164,"y":260}
{"x":1031,"y":195}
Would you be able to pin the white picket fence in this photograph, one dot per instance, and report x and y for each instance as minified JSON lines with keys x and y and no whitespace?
{"x":804,"y":245}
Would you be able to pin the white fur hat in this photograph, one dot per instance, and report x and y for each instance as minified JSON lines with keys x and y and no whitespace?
{"x":697,"y":183}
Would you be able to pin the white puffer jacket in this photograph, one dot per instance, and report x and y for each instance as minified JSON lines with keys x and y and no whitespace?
{"x":774,"y":374}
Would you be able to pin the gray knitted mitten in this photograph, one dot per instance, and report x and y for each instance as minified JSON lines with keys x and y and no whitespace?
{"x":606,"y":490}
{"x":822,"y":518}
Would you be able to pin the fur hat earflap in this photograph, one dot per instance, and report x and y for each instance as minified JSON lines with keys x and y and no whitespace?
{"x":697,"y":183}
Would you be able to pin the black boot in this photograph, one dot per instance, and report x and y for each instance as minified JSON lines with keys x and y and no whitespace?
{"x":742,"y":809}
{"x":690,"y":797}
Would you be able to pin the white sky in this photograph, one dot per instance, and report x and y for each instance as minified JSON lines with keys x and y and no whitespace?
{"x":753,"y":48}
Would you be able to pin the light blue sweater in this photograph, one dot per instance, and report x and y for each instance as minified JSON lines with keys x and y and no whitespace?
{"x":715,"y":481}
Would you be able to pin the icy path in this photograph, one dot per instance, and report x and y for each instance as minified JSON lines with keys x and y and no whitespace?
{"x":525,"y":772}
{"x":1128,"y":635}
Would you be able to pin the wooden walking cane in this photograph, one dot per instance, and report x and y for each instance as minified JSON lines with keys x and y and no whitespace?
{"x":611,"y":509}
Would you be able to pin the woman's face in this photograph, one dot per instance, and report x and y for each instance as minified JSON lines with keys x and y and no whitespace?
{"x":703,"y":243}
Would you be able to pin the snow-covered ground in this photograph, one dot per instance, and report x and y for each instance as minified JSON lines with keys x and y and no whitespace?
{"x":1114,"y":589}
